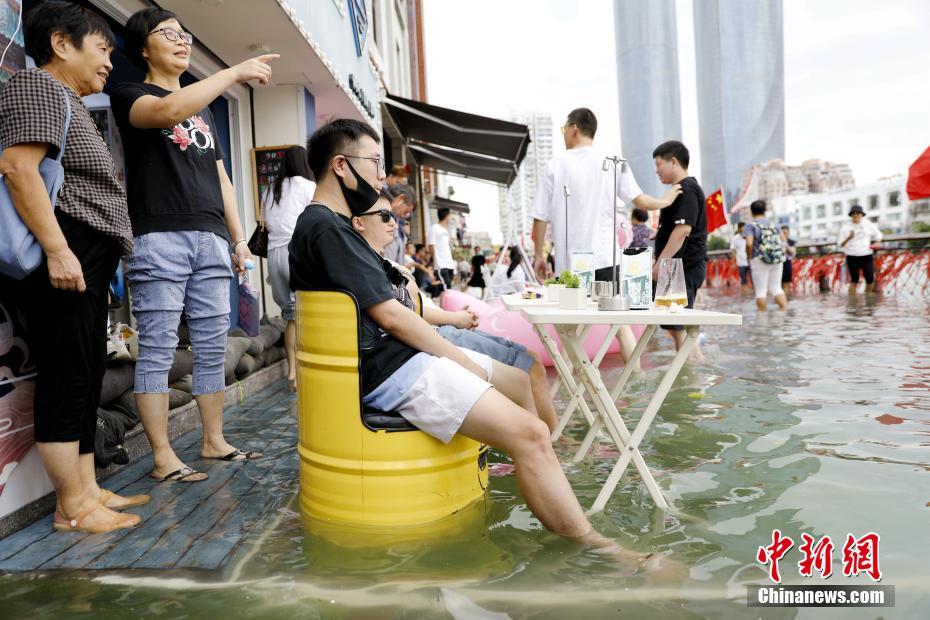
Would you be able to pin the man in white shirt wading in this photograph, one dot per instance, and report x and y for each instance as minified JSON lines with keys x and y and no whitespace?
{"x":855,"y":240}
{"x":738,"y":253}
{"x":590,"y":205}
{"x":439,"y":248}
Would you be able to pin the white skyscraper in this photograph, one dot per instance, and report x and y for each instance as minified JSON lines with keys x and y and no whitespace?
{"x":515,"y":202}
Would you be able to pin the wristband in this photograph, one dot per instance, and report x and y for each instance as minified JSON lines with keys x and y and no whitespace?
{"x":237,"y":243}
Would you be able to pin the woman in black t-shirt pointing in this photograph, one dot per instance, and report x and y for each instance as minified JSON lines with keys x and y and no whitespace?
{"x":184,"y":218}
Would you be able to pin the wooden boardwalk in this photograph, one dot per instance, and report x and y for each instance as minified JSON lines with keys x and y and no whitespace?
{"x":185,"y":525}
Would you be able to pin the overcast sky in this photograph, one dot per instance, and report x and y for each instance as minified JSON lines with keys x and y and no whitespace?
{"x":857,"y":76}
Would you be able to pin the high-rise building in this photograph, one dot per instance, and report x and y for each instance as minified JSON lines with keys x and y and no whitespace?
{"x":647,"y":80}
{"x":739,"y":52}
{"x":516,"y":201}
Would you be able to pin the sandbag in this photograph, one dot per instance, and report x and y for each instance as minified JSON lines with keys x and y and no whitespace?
{"x":267,"y":336}
{"x":126,"y":406}
{"x":247,"y":365}
{"x":185,"y":384}
{"x":178,"y":398}
{"x":183,"y":364}
{"x":273,"y":354}
{"x":235,"y":349}
{"x":118,"y":378}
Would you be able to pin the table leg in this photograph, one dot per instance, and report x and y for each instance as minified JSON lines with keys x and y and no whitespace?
{"x":612,"y":420}
{"x":564,"y":369}
{"x":578,"y":394}
{"x":631,"y":450}
{"x":617,"y":389}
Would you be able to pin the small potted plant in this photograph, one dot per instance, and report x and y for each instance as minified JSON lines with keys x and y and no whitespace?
{"x":553,"y":287}
{"x":572,"y":297}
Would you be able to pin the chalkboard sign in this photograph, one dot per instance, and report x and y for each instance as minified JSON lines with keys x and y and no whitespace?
{"x":266,"y":162}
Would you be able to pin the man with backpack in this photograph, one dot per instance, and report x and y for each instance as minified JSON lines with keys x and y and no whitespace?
{"x":765,"y":245}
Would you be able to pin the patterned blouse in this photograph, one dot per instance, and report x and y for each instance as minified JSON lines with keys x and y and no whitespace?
{"x":32,"y":110}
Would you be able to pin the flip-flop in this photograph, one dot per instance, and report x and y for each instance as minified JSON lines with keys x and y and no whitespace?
{"x":180,"y":475}
{"x":232,"y":456}
{"x":120,"y":502}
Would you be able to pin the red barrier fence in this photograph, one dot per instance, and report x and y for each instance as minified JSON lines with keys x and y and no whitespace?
{"x":896,"y":272}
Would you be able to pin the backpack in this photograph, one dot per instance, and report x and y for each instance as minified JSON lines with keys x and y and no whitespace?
{"x":771,"y":250}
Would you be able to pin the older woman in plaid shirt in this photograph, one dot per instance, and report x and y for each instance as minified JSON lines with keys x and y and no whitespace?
{"x":65,"y":299}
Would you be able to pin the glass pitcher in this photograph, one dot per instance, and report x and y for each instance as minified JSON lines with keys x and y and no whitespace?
{"x":670,"y":287}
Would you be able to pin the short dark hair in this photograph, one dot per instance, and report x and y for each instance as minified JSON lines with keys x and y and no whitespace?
{"x":399,"y":170}
{"x":673,"y":148}
{"x":418,"y":247}
{"x":640,"y":215}
{"x":333,"y":138}
{"x":65,"y":17}
{"x":740,"y":225}
{"x":441,"y":214}
{"x":584,"y":120}
{"x":757,"y":207}
{"x":140,"y":24}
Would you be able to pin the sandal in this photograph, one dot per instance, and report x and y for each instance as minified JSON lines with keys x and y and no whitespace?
{"x":234,"y":456}
{"x":180,"y":475}
{"x":76,"y":524}
{"x":117,"y":502}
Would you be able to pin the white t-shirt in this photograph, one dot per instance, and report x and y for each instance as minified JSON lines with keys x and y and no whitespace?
{"x":500,"y":284}
{"x":738,"y":243}
{"x":866,"y":233}
{"x":590,"y":205}
{"x":281,"y":217}
{"x":439,"y":237}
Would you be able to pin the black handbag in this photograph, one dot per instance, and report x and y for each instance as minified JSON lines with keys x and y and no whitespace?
{"x":258,"y":242}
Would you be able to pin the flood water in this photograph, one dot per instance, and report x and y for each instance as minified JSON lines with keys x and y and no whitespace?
{"x":812,"y":421}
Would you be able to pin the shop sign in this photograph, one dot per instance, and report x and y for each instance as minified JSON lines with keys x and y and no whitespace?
{"x":357,"y":90}
{"x":358,"y":13}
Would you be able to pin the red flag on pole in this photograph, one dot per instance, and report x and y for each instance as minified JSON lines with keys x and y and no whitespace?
{"x":918,"y":177}
{"x":716,"y":214}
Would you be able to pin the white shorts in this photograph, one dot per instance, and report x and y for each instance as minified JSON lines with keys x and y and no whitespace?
{"x":442,"y":396}
{"x":766,"y":278}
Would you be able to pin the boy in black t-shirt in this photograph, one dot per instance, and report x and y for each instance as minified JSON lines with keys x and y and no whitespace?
{"x":682,"y":226}
{"x":405,"y":363}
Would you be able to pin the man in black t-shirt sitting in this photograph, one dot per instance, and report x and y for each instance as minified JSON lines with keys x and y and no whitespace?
{"x":405,"y":365}
{"x":682,"y":226}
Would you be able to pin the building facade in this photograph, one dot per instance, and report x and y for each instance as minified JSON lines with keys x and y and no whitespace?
{"x":739,"y":52}
{"x":775,"y":178}
{"x":646,"y":38}
{"x":818,"y":216}
{"x":516,"y":201}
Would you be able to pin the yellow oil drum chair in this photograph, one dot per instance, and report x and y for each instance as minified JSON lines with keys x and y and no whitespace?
{"x":361,"y":466}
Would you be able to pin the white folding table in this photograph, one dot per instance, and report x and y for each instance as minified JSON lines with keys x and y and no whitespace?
{"x":572,"y":326}
{"x":564,"y":367}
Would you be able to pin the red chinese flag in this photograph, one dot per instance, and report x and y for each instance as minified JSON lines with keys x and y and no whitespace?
{"x":918,"y":177}
{"x":716,"y":214}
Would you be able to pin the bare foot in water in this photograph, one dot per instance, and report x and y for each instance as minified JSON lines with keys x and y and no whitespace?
{"x":633,"y":562}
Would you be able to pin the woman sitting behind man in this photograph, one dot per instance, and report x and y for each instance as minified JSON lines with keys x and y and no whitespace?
{"x":458,"y":327}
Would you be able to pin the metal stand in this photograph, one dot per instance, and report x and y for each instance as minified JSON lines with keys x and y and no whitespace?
{"x":616,"y":302}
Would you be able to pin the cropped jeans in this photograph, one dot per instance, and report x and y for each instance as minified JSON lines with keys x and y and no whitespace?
{"x":170,"y":273}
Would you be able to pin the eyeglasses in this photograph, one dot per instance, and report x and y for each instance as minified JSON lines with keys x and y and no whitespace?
{"x":379,"y":161}
{"x":564,"y":128}
{"x":386,"y":216}
{"x":173,"y":35}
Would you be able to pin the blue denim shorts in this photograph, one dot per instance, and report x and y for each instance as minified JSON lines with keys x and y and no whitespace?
{"x":173,"y":272}
{"x":504,"y":351}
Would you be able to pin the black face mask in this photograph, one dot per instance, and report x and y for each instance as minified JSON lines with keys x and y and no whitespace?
{"x":359,"y":200}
